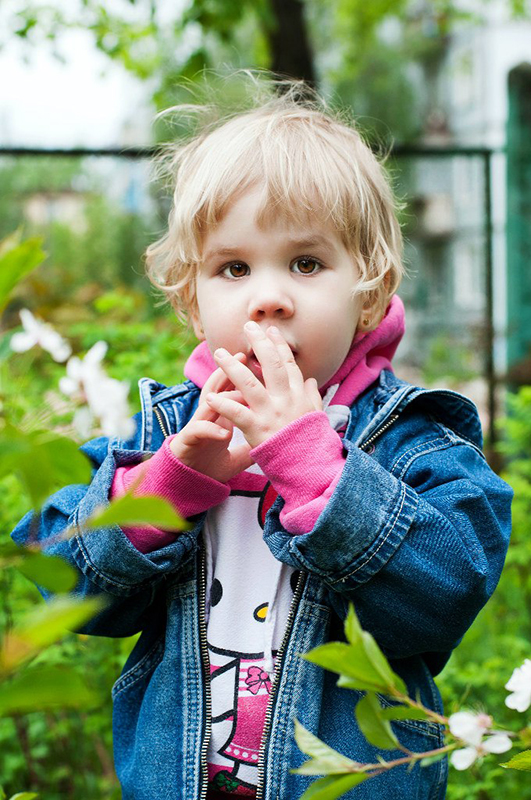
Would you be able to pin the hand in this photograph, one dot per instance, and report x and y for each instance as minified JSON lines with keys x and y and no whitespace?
{"x":203,"y":443}
{"x":263,"y":409}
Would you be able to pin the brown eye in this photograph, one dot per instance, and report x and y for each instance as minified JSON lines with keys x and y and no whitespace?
{"x":235,"y":270}
{"x":306,"y":266}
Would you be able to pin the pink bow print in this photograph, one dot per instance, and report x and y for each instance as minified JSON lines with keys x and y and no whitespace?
{"x":256,"y":678}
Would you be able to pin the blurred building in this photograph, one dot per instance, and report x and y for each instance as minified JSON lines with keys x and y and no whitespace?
{"x":487,"y":86}
{"x":66,"y":206}
{"x":479,"y":96}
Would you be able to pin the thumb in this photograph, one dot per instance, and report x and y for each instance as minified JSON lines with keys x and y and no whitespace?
{"x":313,"y":394}
{"x":240,"y":458}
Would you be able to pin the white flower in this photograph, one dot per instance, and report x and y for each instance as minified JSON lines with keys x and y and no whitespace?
{"x":38,"y":332}
{"x":471,"y":728}
{"x":520,"y":685}
{"x":84,"y":421}
{"x":106,"y":398}
{"x":83,"y":371}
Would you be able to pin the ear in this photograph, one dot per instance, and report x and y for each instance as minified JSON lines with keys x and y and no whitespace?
{"x":198,"y":328}
{"x":370,"y":315}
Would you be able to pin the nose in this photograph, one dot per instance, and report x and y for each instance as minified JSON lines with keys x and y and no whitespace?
{"x":269,"y":300}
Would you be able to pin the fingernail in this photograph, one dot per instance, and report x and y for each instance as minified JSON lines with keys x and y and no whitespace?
{"x":273,"y":329}
{"x":221,"y":353}
{"x":251,"y":326}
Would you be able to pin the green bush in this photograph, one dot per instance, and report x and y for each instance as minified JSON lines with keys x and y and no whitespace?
{"x":500,"y":638}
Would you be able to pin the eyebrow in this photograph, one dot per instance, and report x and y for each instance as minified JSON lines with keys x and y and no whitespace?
{"x":299,"y":243}
{"x":315,"y":240}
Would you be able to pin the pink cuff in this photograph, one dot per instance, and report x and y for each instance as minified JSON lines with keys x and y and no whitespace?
{"x":190,"y":492}
{"x":304,"y":462}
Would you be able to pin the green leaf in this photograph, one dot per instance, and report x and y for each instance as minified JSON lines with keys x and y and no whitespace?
{"x":50,"y":572}
{"x":9,"y":551}
{"x":363,"y":640}
{"x":355,"y":667}
{"x":521,"y":761}
{"x":376,"y":730}
{"x":324,"y":760}
{"x":333,"y":786}
{"x":353,"y":629}
{"x":403,"y":712}
{"x":43,"y":688}
{"x":44,"y":625}
{"x":426,"y":762}
{"x":43,"y":461}
{"x":17,"y":259}
{"x":24,"y":796}
{"x":129,"y":510}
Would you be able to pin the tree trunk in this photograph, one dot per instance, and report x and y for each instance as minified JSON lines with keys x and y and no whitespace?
{"x":291,"y":54}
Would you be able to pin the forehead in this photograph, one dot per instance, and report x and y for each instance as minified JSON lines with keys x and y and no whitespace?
{"x":253,"y":210}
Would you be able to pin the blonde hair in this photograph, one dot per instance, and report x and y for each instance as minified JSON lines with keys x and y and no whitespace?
{"x":309,"y":161}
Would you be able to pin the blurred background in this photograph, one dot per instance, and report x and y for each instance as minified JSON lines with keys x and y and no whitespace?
{"x":441,"y":89}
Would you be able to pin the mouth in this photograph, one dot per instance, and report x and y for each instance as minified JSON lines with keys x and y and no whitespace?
{"x":255,"y":366}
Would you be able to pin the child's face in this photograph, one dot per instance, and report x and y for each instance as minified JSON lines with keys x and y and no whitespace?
{"x":299,"y":280}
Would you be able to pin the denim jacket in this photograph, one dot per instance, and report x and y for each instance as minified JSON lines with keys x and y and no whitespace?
{"x":415,"y":535}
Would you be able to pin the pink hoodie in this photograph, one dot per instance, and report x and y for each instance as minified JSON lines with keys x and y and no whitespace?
{"x":303,"y":461}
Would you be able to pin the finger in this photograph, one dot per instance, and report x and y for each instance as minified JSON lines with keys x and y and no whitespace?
{"x":270,"y":359}
{"x":201,"y":430}
{"x":204,"y":412}
{"x":242,"y":378}
{"x":313,"y":393}
{"x":286,"y":353}
{"x":232,"y":394}
{"x":218,"y":380}
{"x":237,"y":413}
{"x":240,"y":458}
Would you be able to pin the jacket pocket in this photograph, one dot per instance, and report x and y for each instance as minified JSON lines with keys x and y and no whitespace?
{"x":431,"y":730}
{"x":146,"y":664}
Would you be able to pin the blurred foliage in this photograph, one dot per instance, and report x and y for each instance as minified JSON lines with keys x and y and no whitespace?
{"x":450,"y":359}
{"x":367,"y":53}
{"x":500,"y":638}
{"x":85,"y":233}
{"x":56,"y":749}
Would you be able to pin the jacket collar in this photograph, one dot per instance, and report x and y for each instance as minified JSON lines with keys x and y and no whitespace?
{"x":391,"y":396}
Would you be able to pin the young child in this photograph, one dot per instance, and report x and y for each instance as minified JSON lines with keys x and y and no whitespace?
{"x":312,"y":477}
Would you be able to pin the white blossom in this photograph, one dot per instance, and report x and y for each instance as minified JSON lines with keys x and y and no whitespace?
{"x":520,"y":685}
{"x":84,"y":421}
{"x":106,"y":398}
{"x":471,"y":728}
{"x":80,"y":372}
{"x":39,"y":333}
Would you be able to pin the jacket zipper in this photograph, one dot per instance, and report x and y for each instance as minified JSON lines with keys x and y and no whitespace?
{"x":204,"y":654}
{"x":392,"y":419}
{"x":207,"y":729}
{"x":161,"y":423}
{"x":274,"y":684}
{"x":280,"y":654}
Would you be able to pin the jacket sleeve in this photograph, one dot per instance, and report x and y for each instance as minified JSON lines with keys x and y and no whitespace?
{"x":106,"y":561}
{"x":418,"y":549}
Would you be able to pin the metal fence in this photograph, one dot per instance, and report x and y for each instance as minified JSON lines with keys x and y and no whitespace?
{"x":451,"y":240}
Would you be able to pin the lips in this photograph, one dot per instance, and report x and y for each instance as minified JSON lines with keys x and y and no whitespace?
{"x":254,"y":365}
{"x":250,"y":355}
